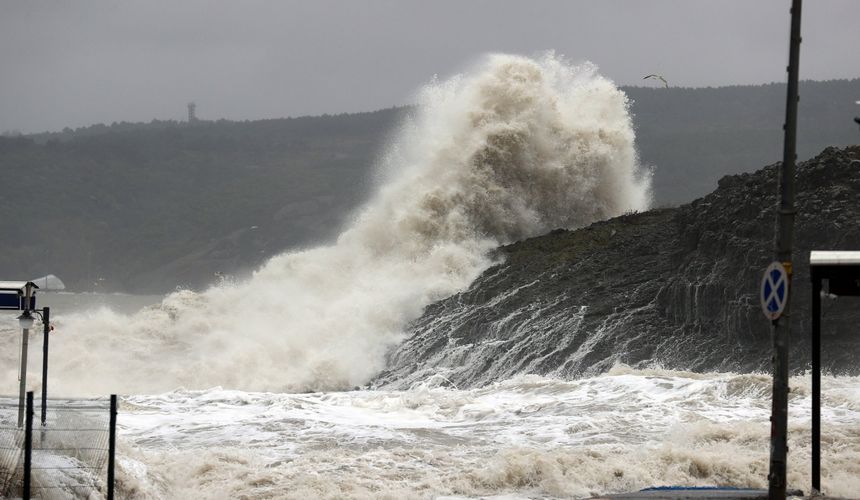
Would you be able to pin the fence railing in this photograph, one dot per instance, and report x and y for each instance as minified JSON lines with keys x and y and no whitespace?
{"x":64,"y":458}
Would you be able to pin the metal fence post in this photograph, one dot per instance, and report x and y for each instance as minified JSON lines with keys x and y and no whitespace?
{"x":28,"y":446}
{"x":111,"y":447}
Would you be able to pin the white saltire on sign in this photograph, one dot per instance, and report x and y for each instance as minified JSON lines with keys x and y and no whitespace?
{"x":774,"y":290}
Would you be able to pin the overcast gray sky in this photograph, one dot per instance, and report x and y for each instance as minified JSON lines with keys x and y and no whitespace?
{"x":79,"y":63}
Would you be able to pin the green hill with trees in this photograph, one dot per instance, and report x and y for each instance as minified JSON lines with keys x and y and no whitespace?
{"x":694,"y":136}
{"x":146,"y":207}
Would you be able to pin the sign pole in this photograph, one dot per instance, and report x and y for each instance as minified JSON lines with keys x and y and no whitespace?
{"x":781,"y":330}
{"x":816,"y":381}
{"x":46,"y":330}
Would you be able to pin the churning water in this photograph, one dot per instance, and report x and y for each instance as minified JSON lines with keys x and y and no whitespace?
{"x":512,"y":149}
{"x":529,"y":437}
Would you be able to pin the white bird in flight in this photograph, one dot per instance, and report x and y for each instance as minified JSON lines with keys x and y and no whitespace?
{"x":659,"y":77}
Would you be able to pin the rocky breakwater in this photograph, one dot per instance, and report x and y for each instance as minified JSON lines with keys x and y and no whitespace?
{"x":676,"y":287}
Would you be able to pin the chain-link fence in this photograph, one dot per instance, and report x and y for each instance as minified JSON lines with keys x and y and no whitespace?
{"x":11,"y":445}
{"x":69,"y":451}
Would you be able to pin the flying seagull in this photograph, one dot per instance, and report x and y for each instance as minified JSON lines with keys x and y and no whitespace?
{"x":660,"y":77}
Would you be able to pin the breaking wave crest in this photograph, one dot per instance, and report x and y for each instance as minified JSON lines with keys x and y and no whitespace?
{"x":511,"y":149}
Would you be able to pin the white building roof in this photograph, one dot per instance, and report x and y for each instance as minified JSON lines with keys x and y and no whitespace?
{"x":16,"y":285}
{"x":834,"y":258}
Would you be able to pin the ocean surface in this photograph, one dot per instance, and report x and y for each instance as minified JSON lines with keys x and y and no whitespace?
{"x":527,"y":437}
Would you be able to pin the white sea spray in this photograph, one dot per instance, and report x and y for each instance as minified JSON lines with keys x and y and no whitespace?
{"x":513,"y":148}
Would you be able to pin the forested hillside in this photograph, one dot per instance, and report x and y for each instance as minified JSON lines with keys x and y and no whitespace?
{"x":693,"y":137}
{"x":146,"y":207}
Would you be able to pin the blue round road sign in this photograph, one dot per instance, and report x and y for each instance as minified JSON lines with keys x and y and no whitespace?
{"x":774,"y":290}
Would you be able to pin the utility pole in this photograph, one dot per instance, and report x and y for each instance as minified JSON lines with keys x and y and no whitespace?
{"x":785,"y":235}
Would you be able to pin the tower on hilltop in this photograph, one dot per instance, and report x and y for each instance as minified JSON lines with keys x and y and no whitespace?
{"x":192,"y":115}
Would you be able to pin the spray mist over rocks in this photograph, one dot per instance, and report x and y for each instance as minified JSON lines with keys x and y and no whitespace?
{"x":509,"y":150}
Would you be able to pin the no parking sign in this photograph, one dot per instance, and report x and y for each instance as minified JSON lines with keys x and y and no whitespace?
{"x":774,"y":290}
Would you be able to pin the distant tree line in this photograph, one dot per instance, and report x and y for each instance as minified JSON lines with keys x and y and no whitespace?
{"x":144,"y":207}
{"x":694,"y":136}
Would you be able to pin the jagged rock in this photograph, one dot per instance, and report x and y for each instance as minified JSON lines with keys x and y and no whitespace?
{"x":676,"y":287}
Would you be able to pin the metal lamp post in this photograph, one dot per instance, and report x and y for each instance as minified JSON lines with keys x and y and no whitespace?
{"x":25,"y":320}
{"x":20,"y":296}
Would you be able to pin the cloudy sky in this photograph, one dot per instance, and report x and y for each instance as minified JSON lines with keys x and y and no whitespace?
{"x":78,"y":63}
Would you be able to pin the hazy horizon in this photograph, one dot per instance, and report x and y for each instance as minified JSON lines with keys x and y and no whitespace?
{"x":182,"y":117}
{"x":73,"y":65}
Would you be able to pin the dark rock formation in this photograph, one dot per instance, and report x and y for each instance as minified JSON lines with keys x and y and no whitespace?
{"x":675,"y":287}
